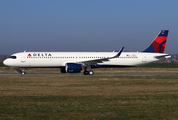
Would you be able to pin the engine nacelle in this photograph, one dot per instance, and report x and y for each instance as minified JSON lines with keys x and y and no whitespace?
{"x":73,"y":68}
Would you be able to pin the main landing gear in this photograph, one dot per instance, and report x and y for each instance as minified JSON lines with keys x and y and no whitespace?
{"x":88,"y":72}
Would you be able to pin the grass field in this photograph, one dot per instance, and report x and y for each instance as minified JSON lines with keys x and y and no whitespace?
{"x":91,"y":97}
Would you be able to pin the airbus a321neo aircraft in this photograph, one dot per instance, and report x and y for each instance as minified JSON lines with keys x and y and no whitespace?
{"x":74,"y":62}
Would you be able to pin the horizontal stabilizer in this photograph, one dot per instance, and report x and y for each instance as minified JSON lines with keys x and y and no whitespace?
{"x":164,"y":56}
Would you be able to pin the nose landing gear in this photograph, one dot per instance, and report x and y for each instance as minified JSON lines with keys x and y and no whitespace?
{"x":23,"y":71}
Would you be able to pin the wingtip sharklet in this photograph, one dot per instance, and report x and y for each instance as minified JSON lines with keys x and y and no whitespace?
{"x":119,"y":53}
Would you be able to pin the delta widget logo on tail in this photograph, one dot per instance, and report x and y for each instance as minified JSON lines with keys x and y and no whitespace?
{"x":159,"y":43}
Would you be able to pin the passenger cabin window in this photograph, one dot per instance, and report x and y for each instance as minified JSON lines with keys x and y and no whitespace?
{"x":13,"y":57}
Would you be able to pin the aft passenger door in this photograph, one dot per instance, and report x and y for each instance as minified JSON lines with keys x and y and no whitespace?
{"x":143,"y":58}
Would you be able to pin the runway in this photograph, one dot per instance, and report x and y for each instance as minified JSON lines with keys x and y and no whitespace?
{"x":89,"y":75}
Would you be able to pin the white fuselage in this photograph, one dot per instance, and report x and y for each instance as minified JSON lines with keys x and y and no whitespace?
{"x":59,"y":59}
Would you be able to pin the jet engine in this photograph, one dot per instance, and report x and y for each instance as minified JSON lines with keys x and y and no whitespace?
{"x":73,"y":68}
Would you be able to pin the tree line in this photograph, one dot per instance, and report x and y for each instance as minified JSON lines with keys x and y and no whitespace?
{"x":3,"y":57}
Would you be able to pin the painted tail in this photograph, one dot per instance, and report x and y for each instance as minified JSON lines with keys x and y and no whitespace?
{"x":159,"y":43}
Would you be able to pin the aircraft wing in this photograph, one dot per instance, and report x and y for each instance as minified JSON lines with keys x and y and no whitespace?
{"x":93,"y":62}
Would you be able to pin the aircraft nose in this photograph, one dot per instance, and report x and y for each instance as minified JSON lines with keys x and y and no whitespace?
{"x":6,"y":62}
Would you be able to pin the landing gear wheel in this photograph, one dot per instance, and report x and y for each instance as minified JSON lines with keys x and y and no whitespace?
{"x":23,"y":72}
{"x":85,"y":72}
{"x":91,"y":72}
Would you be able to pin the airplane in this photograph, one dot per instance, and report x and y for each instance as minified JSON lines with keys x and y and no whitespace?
{"x":75,"y":62}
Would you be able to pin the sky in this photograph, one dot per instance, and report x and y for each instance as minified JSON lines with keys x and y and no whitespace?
{"x":86,"y":25}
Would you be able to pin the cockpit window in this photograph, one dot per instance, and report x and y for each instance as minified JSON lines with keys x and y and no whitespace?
{"x":13,"y":57}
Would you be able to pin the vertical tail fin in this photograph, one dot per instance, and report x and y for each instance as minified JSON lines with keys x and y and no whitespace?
{"x":159,"y":43}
